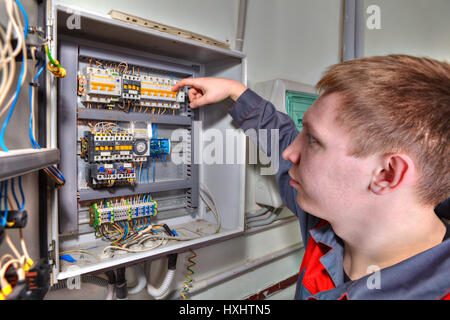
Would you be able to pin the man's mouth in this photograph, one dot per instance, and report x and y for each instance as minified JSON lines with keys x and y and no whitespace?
{"x":294,"y":183}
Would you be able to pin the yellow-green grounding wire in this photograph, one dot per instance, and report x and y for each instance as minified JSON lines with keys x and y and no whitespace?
{"x":187,"y":284}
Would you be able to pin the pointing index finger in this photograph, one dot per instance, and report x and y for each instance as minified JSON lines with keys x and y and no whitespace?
{"x":184,"y":82}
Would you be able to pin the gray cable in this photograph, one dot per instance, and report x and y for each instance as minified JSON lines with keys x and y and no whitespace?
{"x":261,"y":217}
{"x":262,"y":222}
{"x":256,"y":213}
{"x":101,"y":282}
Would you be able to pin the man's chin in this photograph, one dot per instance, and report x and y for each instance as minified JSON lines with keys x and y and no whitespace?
{"x":306,"y":206}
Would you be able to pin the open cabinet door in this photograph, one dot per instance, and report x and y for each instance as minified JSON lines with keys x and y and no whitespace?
{"x":132,"y":150}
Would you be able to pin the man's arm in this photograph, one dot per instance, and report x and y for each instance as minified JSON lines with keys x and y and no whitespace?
{"x":250,"y":111}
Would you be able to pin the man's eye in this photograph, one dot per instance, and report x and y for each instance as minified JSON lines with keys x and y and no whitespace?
{"x":311,"y":139}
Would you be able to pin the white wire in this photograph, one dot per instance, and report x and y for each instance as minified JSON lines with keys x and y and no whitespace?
{"x":14,"y":18}
{"x":8,"y":75}
{"x":214,"y":210}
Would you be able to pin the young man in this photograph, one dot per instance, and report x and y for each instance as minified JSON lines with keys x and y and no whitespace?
{"x":364,"y":175}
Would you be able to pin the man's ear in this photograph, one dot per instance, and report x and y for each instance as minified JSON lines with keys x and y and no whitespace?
{"x":391,"y":173}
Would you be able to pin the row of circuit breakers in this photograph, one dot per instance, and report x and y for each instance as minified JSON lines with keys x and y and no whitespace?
{"x":112,"y":156}
{"x":106,"y":86}
{"x":114,"y":153}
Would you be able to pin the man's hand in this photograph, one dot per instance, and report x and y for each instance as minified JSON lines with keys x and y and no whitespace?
{"x":205,"y":91}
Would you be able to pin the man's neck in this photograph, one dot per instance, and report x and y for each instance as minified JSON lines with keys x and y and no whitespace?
{"x":389,"y":240}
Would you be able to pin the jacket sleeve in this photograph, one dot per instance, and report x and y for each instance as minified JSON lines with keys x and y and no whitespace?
{"x":250,"y":111}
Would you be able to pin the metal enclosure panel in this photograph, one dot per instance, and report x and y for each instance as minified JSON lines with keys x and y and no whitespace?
{"x":100,"y":36}
{"x":67,"y":130}
{"x":23,"y":161}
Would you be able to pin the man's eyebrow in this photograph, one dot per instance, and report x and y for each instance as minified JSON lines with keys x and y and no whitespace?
{"x":309,"y":127}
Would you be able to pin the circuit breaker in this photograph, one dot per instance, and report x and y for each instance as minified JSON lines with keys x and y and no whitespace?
{"x":131,"y":148}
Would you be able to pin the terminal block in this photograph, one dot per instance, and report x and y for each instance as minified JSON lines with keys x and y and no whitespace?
{"x":108,"y":174}
{"x":100,"y":85}
{"x":114,"y":212}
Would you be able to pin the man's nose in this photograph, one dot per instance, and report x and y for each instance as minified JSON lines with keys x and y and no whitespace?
{"x":292,"y":152}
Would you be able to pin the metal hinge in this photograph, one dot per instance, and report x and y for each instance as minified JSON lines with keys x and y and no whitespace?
{"x":51,"y":253}
{"x":49,"y":29}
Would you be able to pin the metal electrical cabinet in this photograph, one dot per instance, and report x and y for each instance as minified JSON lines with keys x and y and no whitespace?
{"x":296,"y":105}
{"x":93,"y":52}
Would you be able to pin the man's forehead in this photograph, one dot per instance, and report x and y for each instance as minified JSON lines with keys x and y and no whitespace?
{"x":323,"y":111}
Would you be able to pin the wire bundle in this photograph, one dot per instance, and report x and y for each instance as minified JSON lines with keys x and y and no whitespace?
{"x":20,"y":262}
{"x":213,"y":208}
{"x":126,"y":238}
{"x":136,"y":232}
{"x":188,"y":283}
{"x":8,"y":65}
{"x":52,"y":171}
{"x":4,"y":194}
{"x":108,"y":127}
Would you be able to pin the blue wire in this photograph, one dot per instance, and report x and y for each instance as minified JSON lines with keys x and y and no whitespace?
{"x":33,"y":141}
{"x":57,"y":173}
{"x":5,"y":194}
{"x":154,"y":169}
{"x":148,"y":167}
{"x":25,"y":33}
{"x":126,"y":229}
{"x":1,"y":194}
{"x":3,"y":222}
{"x":11,"y":110}
{"x":21,"y":193}
{"x":19,"y":86}
{"x":22,"y":206}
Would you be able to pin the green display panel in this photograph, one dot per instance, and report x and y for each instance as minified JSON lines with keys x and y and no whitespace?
{"x":296,"y":105}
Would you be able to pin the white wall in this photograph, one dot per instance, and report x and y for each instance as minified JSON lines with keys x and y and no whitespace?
{"x":415,"y":27}
{"x":292,"y":39}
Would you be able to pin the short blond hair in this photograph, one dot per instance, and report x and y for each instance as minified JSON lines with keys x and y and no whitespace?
{"x":398,"y":103}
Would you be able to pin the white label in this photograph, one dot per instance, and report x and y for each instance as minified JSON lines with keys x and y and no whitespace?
{"x":105,"y":154}
{"x":127,"y":165}
{"x":124,"y":152}
{"x":132,"y":92}
{"x":108,"y":166}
